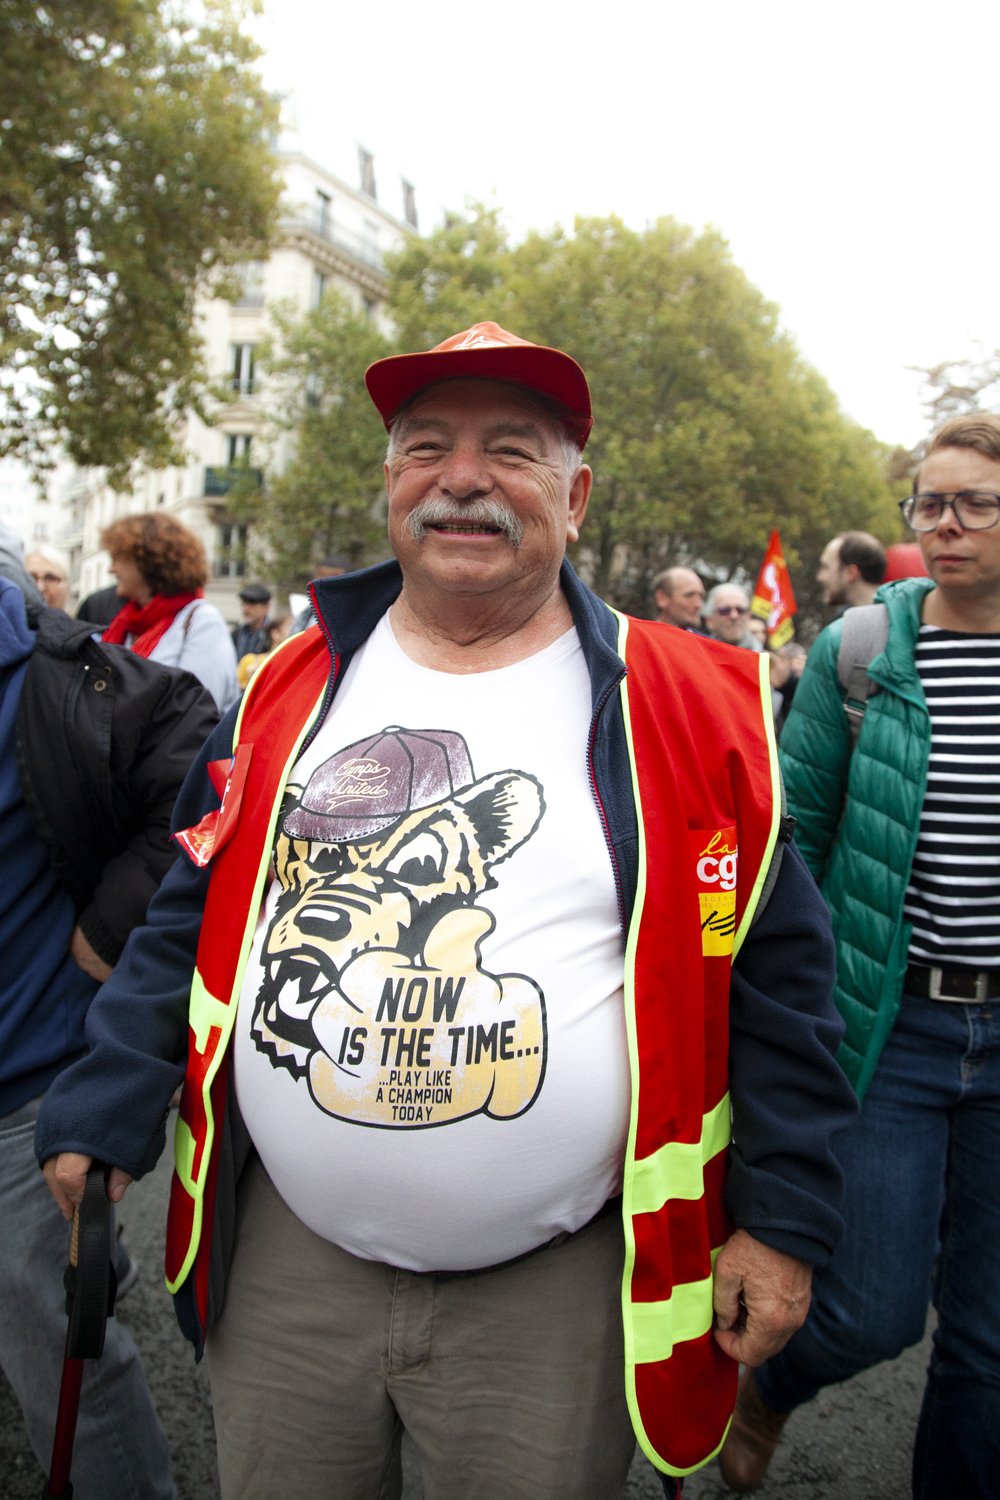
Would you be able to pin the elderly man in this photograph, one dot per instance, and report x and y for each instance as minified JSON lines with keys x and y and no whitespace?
{"x":727,"y":616}
{"x":679,"y":594}
{"x":903,"y":834}
{"x":251,"y":636}
{"x":476,"y":854}
{"x":851,"y":567}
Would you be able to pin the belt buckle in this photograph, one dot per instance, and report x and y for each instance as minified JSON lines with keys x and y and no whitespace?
{"x":934,"y":991}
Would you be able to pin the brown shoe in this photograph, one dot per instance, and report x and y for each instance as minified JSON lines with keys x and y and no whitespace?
{"x":752,"y":1438}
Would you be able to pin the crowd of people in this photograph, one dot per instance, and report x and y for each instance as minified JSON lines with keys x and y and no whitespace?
{"x":562,"y":1064}
{"x":851,"y":567}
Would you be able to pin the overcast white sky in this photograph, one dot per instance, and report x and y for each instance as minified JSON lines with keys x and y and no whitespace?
{"x":847,"y":152}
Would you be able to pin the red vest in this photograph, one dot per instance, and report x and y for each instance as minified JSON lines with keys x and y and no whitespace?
{"x":705,"y":782}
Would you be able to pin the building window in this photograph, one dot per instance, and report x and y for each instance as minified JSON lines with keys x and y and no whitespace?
{"x":366,"y":163}
{"x":251,"y":284}
{"x":318,"y":287}
{"x":238,"y":447}
{"x":409,"y":203}
{"x":369,"y":305}
{"x":230,"y":559}
{"x":323,"y":205}
{"x":241,"y":368}
{"x":369,"y":242}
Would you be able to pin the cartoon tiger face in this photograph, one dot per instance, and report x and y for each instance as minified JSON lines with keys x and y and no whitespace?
{"x":386,"y":892}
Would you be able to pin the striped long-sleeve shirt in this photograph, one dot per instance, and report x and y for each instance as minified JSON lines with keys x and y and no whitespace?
{"x":953,"y":899}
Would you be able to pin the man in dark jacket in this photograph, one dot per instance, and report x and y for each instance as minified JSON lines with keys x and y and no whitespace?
{"x":94,"y":742}
{"x":251,"y":638}
{"x":456,"y":920}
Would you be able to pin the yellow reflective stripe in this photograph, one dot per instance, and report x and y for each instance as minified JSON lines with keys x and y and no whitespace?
{"x":767,"y":709}
{"x":184,"y":1147}
{"x":652,"y":1329}
{"x":685,"y":1314}
{"x":677,"y":1170}
{"x":657,"y":1327}
{"x":205,"y":1011}
{"x":631,"y":942}
{"x":184,"y":1150}
{"x":246,"y":700}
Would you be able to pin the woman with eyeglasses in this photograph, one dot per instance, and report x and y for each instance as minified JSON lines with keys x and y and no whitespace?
{"x":902,"y":831}
{"x":50,"y":571}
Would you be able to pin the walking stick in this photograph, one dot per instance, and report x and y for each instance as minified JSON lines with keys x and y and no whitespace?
{"x":91,"y":1284}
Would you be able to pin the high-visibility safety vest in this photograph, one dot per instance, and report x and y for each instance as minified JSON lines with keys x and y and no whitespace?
{"x":705,"y":783}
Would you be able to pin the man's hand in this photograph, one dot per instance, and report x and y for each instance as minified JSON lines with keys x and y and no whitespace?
{"x":90,"y":962}
{"x":760,"y":1296}
{"x":66,"y":1175}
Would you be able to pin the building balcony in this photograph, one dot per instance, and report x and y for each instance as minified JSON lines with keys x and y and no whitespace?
{"x":221,"y":478}
{"x":359,"y":247}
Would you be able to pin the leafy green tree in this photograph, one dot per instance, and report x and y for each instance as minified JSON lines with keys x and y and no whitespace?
{"x":709,"y":430}
{"x":323,"y":490}
{"x":133,"y":172}
{"x":442,"y":283}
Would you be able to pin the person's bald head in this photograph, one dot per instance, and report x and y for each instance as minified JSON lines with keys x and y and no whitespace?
{"x":851,"y":567}
{"x":679,"y":594}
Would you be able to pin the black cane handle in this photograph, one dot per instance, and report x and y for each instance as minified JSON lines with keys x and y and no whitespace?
{"x":90,"y":1285}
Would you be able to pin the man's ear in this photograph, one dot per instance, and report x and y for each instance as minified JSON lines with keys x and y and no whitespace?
{"x":579,"y":495}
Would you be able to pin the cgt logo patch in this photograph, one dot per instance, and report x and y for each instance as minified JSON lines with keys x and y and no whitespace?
{"x":714,"y":855}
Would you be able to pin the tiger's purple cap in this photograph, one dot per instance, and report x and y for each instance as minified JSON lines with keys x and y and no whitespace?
{"x":369,"y":785}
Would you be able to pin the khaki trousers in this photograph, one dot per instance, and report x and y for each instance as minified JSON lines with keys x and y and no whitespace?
{"x":510,"y":1382}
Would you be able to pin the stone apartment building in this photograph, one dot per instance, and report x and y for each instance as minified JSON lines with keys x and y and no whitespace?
{"x":332,"y":234}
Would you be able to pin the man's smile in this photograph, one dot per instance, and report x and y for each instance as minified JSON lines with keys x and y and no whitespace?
{"x":466,"y":528}
{"x":486,"y":517}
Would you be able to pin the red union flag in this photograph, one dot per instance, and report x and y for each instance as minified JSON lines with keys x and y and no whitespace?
{"x":773,"y":599}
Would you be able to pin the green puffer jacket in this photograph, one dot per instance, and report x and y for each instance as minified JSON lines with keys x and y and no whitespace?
{"x":862,"y":860}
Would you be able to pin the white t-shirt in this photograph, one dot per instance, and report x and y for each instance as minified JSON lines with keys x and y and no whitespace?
{"x":430,"y":1049}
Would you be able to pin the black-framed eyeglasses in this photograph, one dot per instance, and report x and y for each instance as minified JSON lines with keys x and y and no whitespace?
{"x":974,"y":510}
{"x":732,"y":609}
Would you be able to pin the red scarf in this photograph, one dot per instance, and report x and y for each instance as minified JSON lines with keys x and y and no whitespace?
{"x":147,"y":623}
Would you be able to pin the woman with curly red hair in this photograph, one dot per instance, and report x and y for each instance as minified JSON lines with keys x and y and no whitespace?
{"x":161,"y":570}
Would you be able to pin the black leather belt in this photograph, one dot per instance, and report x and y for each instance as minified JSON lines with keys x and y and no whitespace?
{"x":967,"y":986}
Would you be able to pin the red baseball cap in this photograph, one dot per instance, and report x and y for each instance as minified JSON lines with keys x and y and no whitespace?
{"x":488,"y":352}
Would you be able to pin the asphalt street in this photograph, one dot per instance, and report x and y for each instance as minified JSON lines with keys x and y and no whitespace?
{"x":854,"y":1440}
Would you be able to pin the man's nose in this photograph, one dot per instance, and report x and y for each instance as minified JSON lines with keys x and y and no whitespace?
{"x":465,"y":472}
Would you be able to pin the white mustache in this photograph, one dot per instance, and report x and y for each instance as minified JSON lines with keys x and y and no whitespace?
{"x":482,"y":512}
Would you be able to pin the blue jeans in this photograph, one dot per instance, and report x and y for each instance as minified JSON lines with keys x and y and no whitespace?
{"x":120,"y":1449}
{"x":922,"y":1167}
